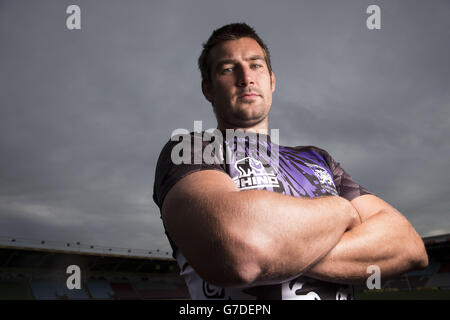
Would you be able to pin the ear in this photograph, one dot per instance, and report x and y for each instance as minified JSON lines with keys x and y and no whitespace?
{"x":273,"y":81}
{"x":206,"y":91}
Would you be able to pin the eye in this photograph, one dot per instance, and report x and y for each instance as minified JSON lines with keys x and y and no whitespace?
{"x":256,"y":66}
{"x":226,"y":70}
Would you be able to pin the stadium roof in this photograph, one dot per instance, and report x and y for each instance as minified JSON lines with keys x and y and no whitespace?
{"x":442,"y":238}
{"x":81,"y":248}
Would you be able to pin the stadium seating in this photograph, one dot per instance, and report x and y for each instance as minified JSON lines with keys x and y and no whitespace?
{"x":418,"y":281}
{"x":444,"y":267}
{"x":76,"y":294}
{"x":433,"y":267}
{"x":400,"y":283}
{"x":100,"y":289}
{"x":47,"y":289}
{"x":15,"y":289}
{"x":440,"y":280}
{"x":124,"y":291}
{"x":162,"y":288}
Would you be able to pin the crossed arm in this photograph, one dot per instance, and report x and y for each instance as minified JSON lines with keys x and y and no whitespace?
{"x":384,"y":238}
{"x":234,"y":238}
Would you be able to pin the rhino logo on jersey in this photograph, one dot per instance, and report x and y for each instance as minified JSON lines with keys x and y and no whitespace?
{"x":249,"y":166}
{"x":253,"y":175}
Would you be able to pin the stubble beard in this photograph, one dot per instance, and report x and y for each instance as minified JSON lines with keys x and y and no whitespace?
{"x":242,"y":117}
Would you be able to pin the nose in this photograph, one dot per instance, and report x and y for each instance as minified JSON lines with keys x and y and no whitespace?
{"x":245,"y":77}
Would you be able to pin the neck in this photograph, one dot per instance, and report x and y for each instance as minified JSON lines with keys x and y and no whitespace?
{"x":261,"y":127}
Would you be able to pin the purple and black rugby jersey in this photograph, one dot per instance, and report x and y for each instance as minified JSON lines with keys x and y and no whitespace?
{"x":300,"y":172}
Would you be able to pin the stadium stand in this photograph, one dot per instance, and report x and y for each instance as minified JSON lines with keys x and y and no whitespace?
{"x":441,"y":279}
{"x":15,"y":290}
{"x":431,"y":283}
{"x":80,"y":294}
{"x":47,"y":289}
{"x":39,"y":272}
{"x":165,"y":287}
{"x":55,"y":289}
{"x":124,"y":291}
{"x":100,"y":289}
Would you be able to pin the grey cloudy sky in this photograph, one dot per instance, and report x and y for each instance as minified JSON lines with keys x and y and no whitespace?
{"x":84,"y":114}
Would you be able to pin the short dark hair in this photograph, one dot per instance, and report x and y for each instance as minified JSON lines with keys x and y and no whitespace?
{"x":233,"y":31}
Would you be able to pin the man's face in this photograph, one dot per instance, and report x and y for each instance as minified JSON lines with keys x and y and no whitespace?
{"x":241,"y":85}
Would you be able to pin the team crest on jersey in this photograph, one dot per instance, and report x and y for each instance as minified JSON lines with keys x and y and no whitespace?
{"x":253,"y":175}
{"x":325,"y":179}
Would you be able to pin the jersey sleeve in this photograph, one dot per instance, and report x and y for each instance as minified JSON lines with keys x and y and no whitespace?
{"x":345,"y":185}
{"x":167,"y":173}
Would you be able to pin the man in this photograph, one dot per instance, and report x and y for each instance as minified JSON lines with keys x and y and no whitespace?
{"x":299,"y":229}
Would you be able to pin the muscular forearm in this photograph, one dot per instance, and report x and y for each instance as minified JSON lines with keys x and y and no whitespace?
{"x":386,"y":239}
{"x":287,"y":234}
{"x":233,"y":237}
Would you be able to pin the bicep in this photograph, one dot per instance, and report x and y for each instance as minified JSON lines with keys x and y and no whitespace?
{"x":190,"y":217}
{"x":368,"y":205}
{"x":195,"y":190}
